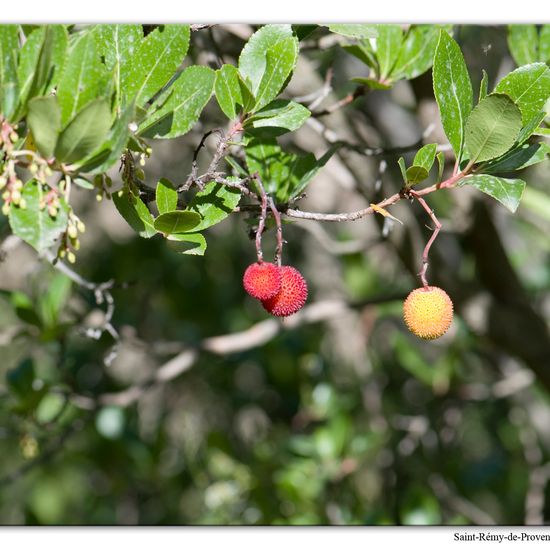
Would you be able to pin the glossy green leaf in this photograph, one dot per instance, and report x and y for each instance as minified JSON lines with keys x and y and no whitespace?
{"x":29,"y":55}
{"x":85,"y":132}
{"x":117,"y":44}
{"x":280,"y":116}
{"x":44,"y":120}
{"x":280,"y":62}
{"x":166,"y":196}
{"x":33,"y":224}
{"x":492,"y":127}
{"x":134,"y":211}
{"x":425,"y":156}
{"x":403,"y":168}
{"x":417,"y":51}
{"x":193,"y":244}
{"x":155,"y":61}
{"x":354,"y":30}
{"x":416,"y":174}
{"x":440,"y":165}
{"x":284,"y":175}
{"x":507,"y":191}
{"x":529,"y":87}
{"x":388,"y":45}
{"x":518,"y":158}
{"x":523,"y":41}
{"x":214,"y":203}
{"x":177,"y":221}
{"x":229,"y":91}
{"x":110,"y":151}
{"x":9,"y":46}
{"x":83,"y":78}
{"x":453,"y":90}
{"x":531,"y":127}
{"x":483,"y":85}
{"x":47,"y":68}
{"x":364,"y":52}
{"x":180,"y":106}
{"x":253,"y":57}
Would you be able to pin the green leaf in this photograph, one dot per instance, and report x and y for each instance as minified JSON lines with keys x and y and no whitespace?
{"x":529,"y":87}
{"x":112,"y":148}
{"x":188,"y":243}
{"x":483,"y":85}
{"x":354,"y":30}
{"x":403,"y":168}
{"x":284,"y":175}
{"x":33,"y":224}
{"x":388,"y":45}
{"x":85,"y":132}
{"x":279,"y":117}
{"x":453,"y":90}
{"x":531,"y":127}
{"x":523,"y":41}
{"x":83,"y":183}
{"x":44,"y":120}
{"x":518,"y":158}
{"x":83,"y":78}
{"x":9,"y":47}
{"x":492,"y":128}
{"x":507,"y":191}
{"x":49,"y":62}
{"x":425,"y":156}
{"x":417,"y":52}
{"x":29,"y":56}
{"x":280,"y":62}
{"x":117,"y":44}
{"x":155,"y":61}
{"x":214,"y":203}
{"x":253,"y":57}
{"x":441,"y":164}
{"x":179,"y":107}
{"x":166,"y":196}
{"x":134,"y":211}
{"x":364,"y":52}
{"x":544,"y":44}
{"x":177,"y":221}
{"x":303,"y":31}
{"x":416,"y":174}
{"x":229,"y":91}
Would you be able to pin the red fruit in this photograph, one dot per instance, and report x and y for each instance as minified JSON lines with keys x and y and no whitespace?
{"x":262,"y":280}
{"x":292,"y":296}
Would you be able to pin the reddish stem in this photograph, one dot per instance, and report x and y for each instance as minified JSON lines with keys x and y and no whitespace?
{"x":436,"y":230}
{"x":280,"y":240}
{"x":263,"y":216}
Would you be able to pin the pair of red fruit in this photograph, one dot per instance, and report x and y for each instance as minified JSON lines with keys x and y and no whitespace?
{"x":281,"y":289}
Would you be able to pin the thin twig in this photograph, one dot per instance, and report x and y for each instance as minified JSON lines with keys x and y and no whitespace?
{"x":435,"y":230}
{"x":263,"y":216}
{"x":279,"y":225}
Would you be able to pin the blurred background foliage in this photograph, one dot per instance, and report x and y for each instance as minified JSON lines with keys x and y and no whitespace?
{"x":350,"y":420}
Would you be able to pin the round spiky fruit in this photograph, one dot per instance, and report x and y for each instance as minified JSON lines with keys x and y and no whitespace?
{"x":291,"y":297}
{"x":262,"y":280}
{"x":428,"y":312}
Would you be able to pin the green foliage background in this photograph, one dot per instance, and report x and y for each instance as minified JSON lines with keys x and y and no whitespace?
{"x":350,"y":420}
